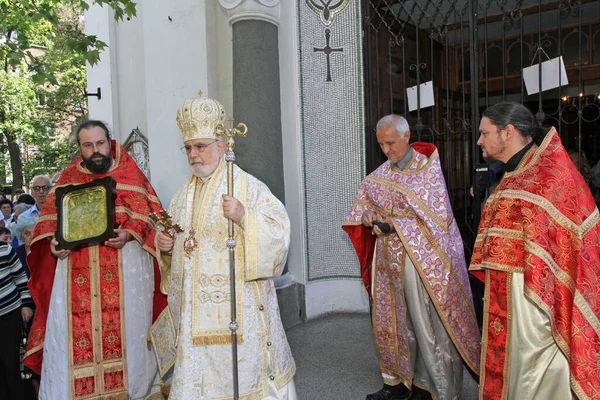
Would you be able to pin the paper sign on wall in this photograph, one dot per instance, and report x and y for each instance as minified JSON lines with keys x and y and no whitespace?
{"x":553,"y":75}
{"x":426,"y":93}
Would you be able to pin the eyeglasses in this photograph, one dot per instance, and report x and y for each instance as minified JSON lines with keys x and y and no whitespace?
{"x":45,"y":188}
{"x":199,"y":147}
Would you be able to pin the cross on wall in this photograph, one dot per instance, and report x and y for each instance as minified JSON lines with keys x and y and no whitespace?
{"x":327,"y":50}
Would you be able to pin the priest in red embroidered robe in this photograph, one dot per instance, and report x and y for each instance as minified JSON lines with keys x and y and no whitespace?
{"x":423,"y":316}
{"x":537,"y":250}
{"x":95,"y":303}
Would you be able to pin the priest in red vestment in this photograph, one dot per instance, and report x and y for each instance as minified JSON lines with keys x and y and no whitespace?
{"x":412,"y":262}
{"x":537,"y":250}
{"x":96,"y":303}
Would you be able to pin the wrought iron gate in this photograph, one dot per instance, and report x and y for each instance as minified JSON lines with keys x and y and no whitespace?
{"x":474,"y":52}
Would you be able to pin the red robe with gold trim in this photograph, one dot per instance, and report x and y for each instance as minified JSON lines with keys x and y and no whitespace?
{"x":94,"y":281}
{"x":541,"y":221}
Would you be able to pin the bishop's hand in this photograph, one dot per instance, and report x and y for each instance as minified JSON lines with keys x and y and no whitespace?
{"x":233,"y":208}
{"x":165,"y":242}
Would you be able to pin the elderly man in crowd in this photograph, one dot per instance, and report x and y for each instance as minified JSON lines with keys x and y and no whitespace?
{"x":40,"y":187}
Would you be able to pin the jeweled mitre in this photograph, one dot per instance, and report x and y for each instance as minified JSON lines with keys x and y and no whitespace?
{"x":198,"y":117}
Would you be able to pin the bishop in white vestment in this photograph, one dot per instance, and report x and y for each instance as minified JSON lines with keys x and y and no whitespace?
{"x":195,"y":273}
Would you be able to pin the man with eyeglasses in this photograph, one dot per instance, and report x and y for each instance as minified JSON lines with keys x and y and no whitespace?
{"x":40,"y":187}
{"x":95,"y":304}
{"x":195,"y":272}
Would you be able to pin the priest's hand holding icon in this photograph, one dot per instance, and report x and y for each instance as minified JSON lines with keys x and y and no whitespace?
{"x":62,"y":254}
{"x":119,"y":241}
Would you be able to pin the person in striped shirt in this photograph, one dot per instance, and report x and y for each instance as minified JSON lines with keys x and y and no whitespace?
{"x":15,"y":306}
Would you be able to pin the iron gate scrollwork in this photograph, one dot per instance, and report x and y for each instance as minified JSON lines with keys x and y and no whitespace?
{"x":474,"y":51}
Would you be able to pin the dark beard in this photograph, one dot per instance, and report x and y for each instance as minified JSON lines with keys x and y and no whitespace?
{"x":98,"y":167}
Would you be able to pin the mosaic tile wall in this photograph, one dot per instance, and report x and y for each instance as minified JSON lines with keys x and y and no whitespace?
{"x":332,"y":128}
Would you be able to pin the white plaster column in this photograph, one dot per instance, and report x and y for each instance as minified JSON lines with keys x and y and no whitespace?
{"x":291,"y":132}
{"x":260,"y":10}
{"x":260,"y":99}
{"x":256,"y":88}
{"x":100,"y":21}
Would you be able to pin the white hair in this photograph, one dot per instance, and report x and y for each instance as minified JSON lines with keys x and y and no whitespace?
{"x":397,"y":121}
{"x":21,"y":207}
{"x":23,"y":222}
{"x":46,"y":177}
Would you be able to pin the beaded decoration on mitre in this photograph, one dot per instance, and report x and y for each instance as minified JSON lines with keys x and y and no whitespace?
{"x":197,"y":118}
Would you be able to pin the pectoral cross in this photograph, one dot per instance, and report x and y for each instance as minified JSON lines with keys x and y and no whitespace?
{"x":166,"y":222}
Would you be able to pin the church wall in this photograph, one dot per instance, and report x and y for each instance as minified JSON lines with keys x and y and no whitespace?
{"x":292,"y":139}
{"x":223,"y":52}
{"x":99,"y":21}
{"x":332,"y":140}
{"x":154,"y":62}
{"x":173,"y":49}
{"x":177,"y":65}
{"x":131,"y":69}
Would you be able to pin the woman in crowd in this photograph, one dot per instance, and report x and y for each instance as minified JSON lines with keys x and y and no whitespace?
{"x":24,"y":231}
{"x":15,"y":307}
{"x":20,"y":208}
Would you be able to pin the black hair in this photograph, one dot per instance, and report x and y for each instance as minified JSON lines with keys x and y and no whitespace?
{"x":92,"y":123}
{"x":517,"y":115}
{"x":25,"y":198}
{"x":6,"y":201}
{"x":4,"y":230}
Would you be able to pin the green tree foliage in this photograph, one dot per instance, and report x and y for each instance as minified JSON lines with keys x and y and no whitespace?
{"x":43,"y":51}
{"x":38,"y":22}
{"x":18,"y":115}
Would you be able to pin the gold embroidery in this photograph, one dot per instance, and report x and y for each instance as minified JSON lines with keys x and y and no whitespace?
{"x":134,"y":215}
{"x":109,"y":276}
{"x":163,"y":337}
{"x":82,"y":343}
{"x":577,"y":230}
{"x":111,"y":339}
{"x":497,"y":326}
{"x":507,"y":358}
{"x":590,"y":222}
{"x":484,"y":333}
{"x":48,"y":217}
{"x":587,"y":311}
{"x":420,"y":204}
{"x":141,"y":190}
{"x":80,"y":280}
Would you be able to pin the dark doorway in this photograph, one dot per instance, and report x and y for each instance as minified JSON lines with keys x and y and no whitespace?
{"x":474,"y":51}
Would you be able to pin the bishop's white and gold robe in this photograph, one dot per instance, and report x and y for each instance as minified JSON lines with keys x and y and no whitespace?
{"x":197,"y":284}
